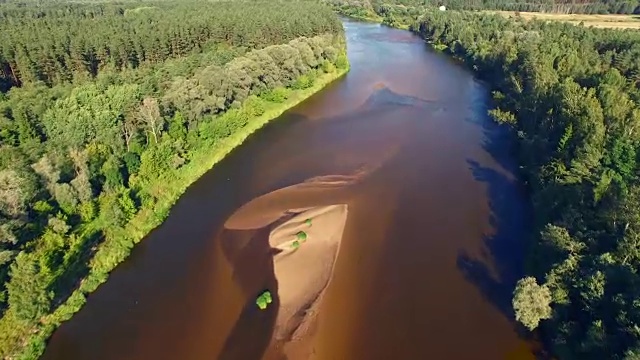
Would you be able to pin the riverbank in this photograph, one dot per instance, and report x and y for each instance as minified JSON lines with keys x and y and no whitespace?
{"x":371,"y":18}
{"x":169,"y":188}
{"x":580,"y":95}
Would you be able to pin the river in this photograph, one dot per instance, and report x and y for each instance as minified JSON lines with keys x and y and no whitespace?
{"x":430,"y":252}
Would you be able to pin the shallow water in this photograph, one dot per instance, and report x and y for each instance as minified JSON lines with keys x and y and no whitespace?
{"x":431,"y":248}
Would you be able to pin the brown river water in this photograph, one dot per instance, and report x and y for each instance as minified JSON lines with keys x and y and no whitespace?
{"x":431,"y":248}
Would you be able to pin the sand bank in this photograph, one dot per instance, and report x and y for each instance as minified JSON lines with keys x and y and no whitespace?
{"x":303,"y":228}
{"x":304,"y":264}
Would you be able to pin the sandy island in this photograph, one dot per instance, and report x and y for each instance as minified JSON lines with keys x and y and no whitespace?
{"x":304,"y":242}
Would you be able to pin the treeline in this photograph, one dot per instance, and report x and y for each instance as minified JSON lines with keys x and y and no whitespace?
{"x":15,"y":9}
{"x":77,"y":41}
{"x":571,"y":96}
{"x":371,"y":7}
{"x":87,"y":168}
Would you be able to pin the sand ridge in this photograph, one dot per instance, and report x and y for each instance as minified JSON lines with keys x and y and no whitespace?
{"x":304,"y":266}
{"x":303,"y":225}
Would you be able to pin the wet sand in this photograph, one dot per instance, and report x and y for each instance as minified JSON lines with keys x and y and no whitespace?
{"x":430,"y":250}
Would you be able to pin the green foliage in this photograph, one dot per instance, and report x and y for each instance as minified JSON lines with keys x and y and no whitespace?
{"x":276,"y":95}
{"x":16,"y":191}
{"x":87,"y":211}
{"x":216,"y":89}
{"x":155,"y":162}
{"x":302,"y":82}
{"x":264,"y":300}
{"x":574,"y":109}
{"x":342,"y":62}
{"x":121,"y":40}
{"x":112,"y":171}
{"x":503,"y":117}
{"x":531,"y":302}
{"x":308,"y":222}
{"x":117,"y":208}
{"x":90,"y":114}
{"x":390,"y":9}
{"x":42,"y":207}
{"x":66,"y":197}
{"x":102,"y":128}
{"x":301,"y":235}
{"x":254,"y":106}
{"x":29,"y":296}
{"x":327,"y":66}
{"x":132,"y":162}
{"x":177,"y":129}
{"x":295,"y":244}
{"x":59,"y":224}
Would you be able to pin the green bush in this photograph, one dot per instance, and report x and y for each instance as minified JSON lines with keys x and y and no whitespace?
{"x":254,"y":106}
{"x":277,"y":95}
{"x":342,"y":62}
{"x":328,"y":67}
{"x":29,"y":295}
{"x":302,"y":82}
{"x":264,"y":300}
{"x":87,"y":211}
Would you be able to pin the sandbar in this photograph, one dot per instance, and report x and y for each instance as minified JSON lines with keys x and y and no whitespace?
{"x":304,"y":230}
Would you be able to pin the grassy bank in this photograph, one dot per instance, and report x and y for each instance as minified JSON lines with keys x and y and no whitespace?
{"x":30,"y":340}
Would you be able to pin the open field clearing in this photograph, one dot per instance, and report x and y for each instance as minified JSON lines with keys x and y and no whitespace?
{"x":595,"y":20}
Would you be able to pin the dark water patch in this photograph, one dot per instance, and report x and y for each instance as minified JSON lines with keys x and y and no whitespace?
{"x":504,"y":247}
{"x":249,"y":255}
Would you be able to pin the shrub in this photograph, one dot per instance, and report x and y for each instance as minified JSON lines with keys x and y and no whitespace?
{"x":342,"y":62}
{"x":264,"y":300}
{"x":328,"y":67}
{"x":302,"y":82}
{"x":277,"y":95}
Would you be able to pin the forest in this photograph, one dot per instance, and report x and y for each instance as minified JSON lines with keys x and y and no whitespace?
{"x":570,"y":95}
{"x":108,"y":111}
{"x":366,"y":8}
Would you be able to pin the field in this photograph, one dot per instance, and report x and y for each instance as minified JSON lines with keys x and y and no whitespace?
{"x":595,"y":20}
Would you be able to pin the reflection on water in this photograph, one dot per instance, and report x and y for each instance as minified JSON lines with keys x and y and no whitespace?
{"x":431,"y":246}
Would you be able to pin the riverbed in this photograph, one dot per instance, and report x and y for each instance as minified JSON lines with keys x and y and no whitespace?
{"x":431,"y":248}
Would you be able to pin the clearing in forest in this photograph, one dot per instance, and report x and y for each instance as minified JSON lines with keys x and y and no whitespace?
{"x":596,"y":20}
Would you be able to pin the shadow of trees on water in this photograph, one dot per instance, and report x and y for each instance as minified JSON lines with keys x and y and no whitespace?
{"x":501,"y":263}
{"x":498,"y":269}
{"x":496,"y":272}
